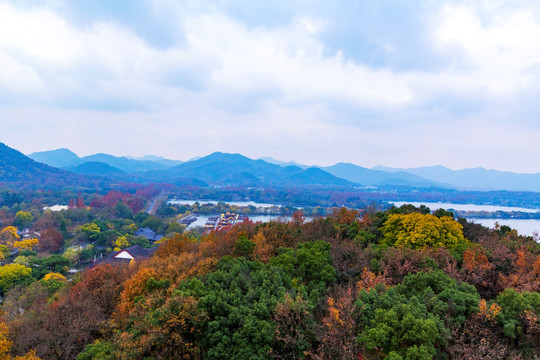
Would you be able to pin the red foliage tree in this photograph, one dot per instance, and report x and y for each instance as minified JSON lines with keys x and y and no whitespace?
{"x":51,"y":240}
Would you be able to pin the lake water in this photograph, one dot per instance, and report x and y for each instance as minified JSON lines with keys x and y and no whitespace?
{"x":465,"y":207}
{"x":201,"y":219}
{"x":523,"y":226}
{"x":214,"y":202}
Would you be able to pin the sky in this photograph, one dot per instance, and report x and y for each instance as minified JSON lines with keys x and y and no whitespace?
{"x":398,"y":83}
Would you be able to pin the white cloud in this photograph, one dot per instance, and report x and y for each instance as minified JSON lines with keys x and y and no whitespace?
{"x":109,"y":60}
{"x":261,"y":90}
{"x":497,"y":47}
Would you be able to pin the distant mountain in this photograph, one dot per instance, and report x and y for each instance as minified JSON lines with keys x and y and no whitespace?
{"x":95,"y":168}
{"x":66,"y":159}
{"x":58,"y":158}
{"x":18,"y":170}
{"x":124,"y":163}
{"x":478,"y":178}
{"x":366,"y":176}
{"x":238,"y":170}
{"x":158,"y":159}
{"x":270,"y":160}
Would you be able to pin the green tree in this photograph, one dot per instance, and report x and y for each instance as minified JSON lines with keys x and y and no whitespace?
{"x":515,"y":309}
{"x":154,"y":223}
{"x":50,"y":264}
{"x":310,"y":264}
{"x":175,"y":227}
{"x":123,"y":211}
{"x":243,"y":246}
{"x":99,"y":350}
{"x":411,"y":320}
{"x":239,"y":299}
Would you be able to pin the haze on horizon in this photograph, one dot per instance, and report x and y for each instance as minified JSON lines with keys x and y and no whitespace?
{"x":393,"y":83}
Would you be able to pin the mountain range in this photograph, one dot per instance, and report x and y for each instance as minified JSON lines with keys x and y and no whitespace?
{"x":474,"y":179}
{"x":222,"y":169}
{"x":21,"y":171}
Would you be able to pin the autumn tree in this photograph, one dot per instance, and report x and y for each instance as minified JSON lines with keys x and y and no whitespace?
{"x":339,"y":328}
{"x":295,"y":328}
{"x":51,"y":240}
{"x":63,"y":328}
{"x":419,"y":231}
{"x":23,"y":219}
{"x":5,"y":347}
{"x":91,"y":231}
{"x":478,"y":271}
{"x":13,"y":274}
{"x":526,"y":274}
{"x":8,"y":235}
{"x":28,"y":244}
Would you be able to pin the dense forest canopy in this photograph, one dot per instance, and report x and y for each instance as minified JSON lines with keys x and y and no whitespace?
{"x":403,"y":283}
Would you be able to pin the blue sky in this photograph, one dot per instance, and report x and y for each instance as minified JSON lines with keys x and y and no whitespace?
{"x":397,"y":83}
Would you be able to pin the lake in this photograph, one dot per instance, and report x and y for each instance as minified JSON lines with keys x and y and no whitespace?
{"x":523,"y":226}
{"x":201,"y":219}
{"x":215,"y":202}
{"x":464,"y":207}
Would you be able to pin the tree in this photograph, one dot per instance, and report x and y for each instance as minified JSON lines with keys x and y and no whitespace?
{"x":53,"y":263}
{"x":411,"y":320}
{"x":28,"y":244}
{"x":8,"y":235}
{"x":478,"y":271}
{"x":121,"y":243}
{"x":123,"y":211}
{"x":13,"y":274}
{"x":339,"y":327}
{"x":99,"y":350}
{"x":295,"y":328}
{"x":5,"y":347}
{"x":154,"y":223}
{"x":23,"y":219}
{"x":161,"y":326}
{"x":310,"y":264}
{"x":243,"y":246}
{"x":419,"y":231}
{"x":91,"y":230}
{"x":53,"y":282}
{"x":51,"y":240}
{"x":4,"y":251}
{"x":239,"y":299}
{"x":63,"y":328}
{"x":519,"y":317}
{"x":175,"y":227}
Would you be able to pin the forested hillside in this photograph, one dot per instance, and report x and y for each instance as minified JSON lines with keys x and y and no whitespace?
{"x":18,"y":170}
{"x":400,"y":284}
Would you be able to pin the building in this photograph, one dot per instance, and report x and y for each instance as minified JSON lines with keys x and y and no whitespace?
{"x":132,"y":253}
{"x":148,"y":233}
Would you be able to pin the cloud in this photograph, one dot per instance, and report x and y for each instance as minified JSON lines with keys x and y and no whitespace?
{"x":220,"y":60}
{"x":278,"y":79}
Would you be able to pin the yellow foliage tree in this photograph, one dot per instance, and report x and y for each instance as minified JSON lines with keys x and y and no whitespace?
{"x":28,"y":244}
{"x":121,"y":243}
{"x":3,"y":251}
{"x":54,"y":276}
{"x":419,"y":231}
{"x":8,"y":235}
